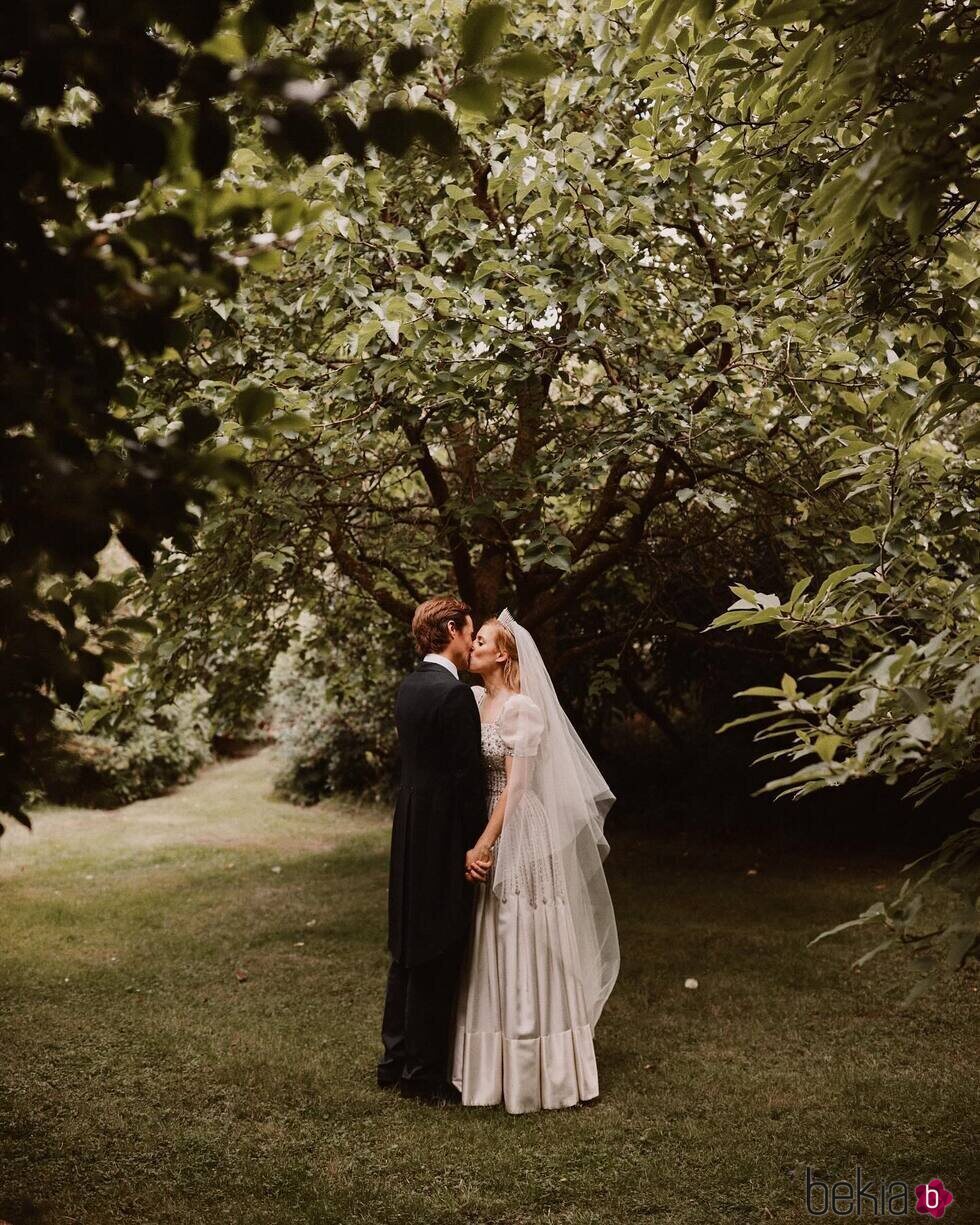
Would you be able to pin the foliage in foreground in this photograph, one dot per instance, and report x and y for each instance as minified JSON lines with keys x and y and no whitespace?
{"x":855,"y":127}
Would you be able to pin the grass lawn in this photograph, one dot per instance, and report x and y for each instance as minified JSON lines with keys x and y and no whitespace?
{"x":143,"y":1081}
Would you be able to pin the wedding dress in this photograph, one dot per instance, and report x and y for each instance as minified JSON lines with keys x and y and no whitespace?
{"x":543,"y":953}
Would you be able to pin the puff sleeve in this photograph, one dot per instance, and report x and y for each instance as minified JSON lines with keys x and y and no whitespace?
{"x":521,"y":726}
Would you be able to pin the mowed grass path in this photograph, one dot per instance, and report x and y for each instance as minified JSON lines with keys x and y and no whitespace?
{"x":142,"y":1081}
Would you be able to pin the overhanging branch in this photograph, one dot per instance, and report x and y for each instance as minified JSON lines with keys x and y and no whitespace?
{"x":561,"y":597}
{"x":361,"y":574}
{"x":442,"y":500}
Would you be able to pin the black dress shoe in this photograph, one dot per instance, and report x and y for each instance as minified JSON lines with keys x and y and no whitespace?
{"x":437,"y":1094}
{"x":447,"y":1095}
{"x":389,"y":1074}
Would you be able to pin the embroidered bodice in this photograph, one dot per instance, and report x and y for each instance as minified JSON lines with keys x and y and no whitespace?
{"x":494,"y":752}
{"x":515,"y":732}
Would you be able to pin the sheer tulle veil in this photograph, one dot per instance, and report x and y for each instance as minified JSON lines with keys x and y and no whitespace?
{"x":552,"y":845}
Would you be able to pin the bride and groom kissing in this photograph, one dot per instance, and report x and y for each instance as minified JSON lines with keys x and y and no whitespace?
{"x":501,"y":930}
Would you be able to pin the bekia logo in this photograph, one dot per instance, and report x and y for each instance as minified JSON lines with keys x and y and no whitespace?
{"x":896,"y":1198}
{"x":932,"y":1198}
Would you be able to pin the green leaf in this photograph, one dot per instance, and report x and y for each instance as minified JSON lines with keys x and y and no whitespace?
{"x":253,"y":404}
{"x":541,"y":205}
{"x":481,"y":30}
{"x":254,"y":30}
{"x":662,"y":14}
{"x":904,"y":368}
{"x":797,"y":591}
{"x":792,"y":10}
{"x":826,"y":746}
{"x":295,"y":422}
{"x":835,"y":580}
{"x":212,"y":140}
{"x":839,"y":474}
{"x":267,"y":262}
{"x":744,"y":593}
{"x":730,"y":619}
{"x":765,"y":614}
{"x":756,"y":718}
{"x":477,"y":94}
{"x":126,"y":395}
{"x":704,"y":10}
{"x":863,"y":535}
{"x":91,"y":717}
{"x":527,"y":65}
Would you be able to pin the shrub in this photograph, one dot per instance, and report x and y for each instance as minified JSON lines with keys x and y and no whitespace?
{"x":329,"y":741}
{"x":134,"y":762}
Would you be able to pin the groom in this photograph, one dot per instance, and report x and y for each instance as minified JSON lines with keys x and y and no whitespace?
{"x":439,"y":814}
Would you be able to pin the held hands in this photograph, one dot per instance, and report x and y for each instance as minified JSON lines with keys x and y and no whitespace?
{"x":479,"y":861}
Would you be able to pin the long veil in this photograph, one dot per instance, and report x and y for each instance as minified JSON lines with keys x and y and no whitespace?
{"x":552,"y":844}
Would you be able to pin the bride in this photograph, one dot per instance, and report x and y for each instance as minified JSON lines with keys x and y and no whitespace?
{"x":543,"y":953}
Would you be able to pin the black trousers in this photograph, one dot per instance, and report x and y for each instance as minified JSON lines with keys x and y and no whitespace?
{"x":418,"y":1020}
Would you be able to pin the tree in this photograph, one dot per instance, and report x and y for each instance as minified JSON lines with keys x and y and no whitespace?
{"x":514,"y":372}
{"x":117,"y":119}
{"x":855,"y":126}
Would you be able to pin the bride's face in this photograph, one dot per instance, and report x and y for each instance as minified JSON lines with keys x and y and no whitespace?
{"x":484,"y":656}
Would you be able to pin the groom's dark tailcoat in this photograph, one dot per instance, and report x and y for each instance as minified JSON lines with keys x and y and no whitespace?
{"x":439,"y":814}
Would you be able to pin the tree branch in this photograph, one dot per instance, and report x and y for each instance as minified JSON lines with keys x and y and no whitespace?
{"x":648,"y":704}
{"x":442,"y":500}
{"x":606,"y":507}
{"x":396,"y":572}
{"x":725,"y":351}
{"x":361,"y":574}
{"x":559,"y":598}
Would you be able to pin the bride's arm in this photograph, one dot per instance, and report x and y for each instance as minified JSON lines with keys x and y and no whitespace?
{"x":482,"y":852}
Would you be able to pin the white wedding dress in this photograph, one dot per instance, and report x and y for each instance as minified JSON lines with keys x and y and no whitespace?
{"x":523,"y":1035}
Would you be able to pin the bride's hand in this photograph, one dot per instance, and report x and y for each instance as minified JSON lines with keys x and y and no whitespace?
{"x":479,"y":860}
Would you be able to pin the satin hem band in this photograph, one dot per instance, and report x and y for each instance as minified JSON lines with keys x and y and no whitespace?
{"x":526,"y":1074}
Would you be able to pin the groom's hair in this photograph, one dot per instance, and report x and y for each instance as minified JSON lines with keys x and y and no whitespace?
{"x":430,"y":625}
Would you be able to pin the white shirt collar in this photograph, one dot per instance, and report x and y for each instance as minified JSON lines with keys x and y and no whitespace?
{"x":441,"y":659}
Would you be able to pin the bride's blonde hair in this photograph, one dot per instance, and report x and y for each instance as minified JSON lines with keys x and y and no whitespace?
{"x":506,"y":642}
